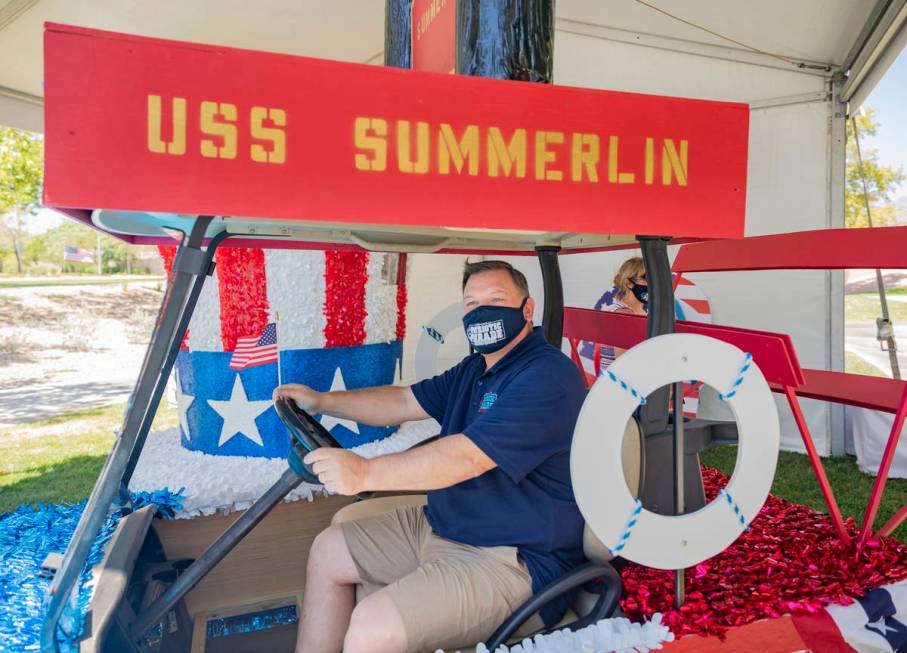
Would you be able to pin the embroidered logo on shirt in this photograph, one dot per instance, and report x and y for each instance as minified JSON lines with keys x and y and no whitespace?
{"x":486,"y":333}
{"x":487,"y":401}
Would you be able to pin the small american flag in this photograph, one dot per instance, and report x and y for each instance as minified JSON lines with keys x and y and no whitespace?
{"x":77,"y":255}
{"x":251,"y":351}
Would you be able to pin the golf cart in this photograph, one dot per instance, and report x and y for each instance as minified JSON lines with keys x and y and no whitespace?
{"x":272,"y":151}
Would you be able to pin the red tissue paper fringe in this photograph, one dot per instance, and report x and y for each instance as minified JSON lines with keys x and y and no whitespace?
{"x":401,"y":297}
{"x":168,"y":253}
{"x":243,"y":288}
{"x":345,"y":274}
{"x":791,"y":560}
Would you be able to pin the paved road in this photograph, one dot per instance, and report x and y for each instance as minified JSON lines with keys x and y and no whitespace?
{"x":860,"y":338}
{"x":77,"y":348}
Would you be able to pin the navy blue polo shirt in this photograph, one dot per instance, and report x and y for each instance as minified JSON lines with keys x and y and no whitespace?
{"x":521,"y":413}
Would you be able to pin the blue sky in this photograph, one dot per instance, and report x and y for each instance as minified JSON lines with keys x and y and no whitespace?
{"x":889,"y":98}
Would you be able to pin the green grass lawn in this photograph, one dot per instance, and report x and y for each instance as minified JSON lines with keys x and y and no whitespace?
{"x":59,"y":459}
{"x":856,"y":365}
{"x":794,"y":481}
{"x":865,"y":307}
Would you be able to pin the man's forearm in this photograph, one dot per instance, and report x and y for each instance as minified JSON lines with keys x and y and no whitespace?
{"x":447,"y":461}
{"x":385,"y":405}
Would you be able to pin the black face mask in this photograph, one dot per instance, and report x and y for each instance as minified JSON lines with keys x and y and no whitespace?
{"x":489,"y":328}
{"x":641,"y":293}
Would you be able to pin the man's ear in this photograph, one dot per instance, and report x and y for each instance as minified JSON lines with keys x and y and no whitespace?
{"x":529,"y":309}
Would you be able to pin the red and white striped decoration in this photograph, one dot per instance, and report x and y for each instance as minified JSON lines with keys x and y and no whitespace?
{"x":323,"y":299}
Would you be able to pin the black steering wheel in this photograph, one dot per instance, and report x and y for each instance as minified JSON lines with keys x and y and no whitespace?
{"x":306,"y":434}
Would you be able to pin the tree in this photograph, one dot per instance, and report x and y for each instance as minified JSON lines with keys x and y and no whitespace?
{"x":881,"y":180}
{"x":21,"y":167}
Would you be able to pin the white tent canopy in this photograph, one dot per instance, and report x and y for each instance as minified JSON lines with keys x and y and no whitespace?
{"x":797,"y":63}
{"x":836,"y":36}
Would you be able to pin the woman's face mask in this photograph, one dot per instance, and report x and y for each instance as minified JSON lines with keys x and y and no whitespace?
{"x":489,"y":328}
{"x":641,"y":292}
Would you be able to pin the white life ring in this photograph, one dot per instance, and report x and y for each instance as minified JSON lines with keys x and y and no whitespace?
{"x":433,"y":335}
{"x":613,"y":514}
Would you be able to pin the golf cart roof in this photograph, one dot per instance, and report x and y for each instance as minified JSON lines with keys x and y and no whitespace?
{"x":144,"y":135}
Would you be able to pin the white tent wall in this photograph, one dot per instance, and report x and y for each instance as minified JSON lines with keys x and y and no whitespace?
{"x":795,"y":175}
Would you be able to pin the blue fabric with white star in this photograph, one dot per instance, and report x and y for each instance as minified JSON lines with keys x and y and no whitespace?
{"x":210,"y":390}
{"x":881,"y":616}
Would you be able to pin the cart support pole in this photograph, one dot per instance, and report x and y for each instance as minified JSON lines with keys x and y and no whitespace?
{"x":553,"y":316}
{"x":173,"y":349}
{"x":215,"y":553}
{"x":167,"y":334}
{"x":653,"y":416}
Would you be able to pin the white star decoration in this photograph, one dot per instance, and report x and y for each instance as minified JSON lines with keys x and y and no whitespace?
{"x":880,"y":626}
{"x":239,"y":415}
{"x":329,"y":422}
{"x":183,"y":402}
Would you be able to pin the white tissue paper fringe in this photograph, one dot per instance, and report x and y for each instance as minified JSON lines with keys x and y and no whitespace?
{"x":617,"y":634}
{"x":224,"y":484}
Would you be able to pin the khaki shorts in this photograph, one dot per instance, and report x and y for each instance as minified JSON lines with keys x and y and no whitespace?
{"x":450,"y":595}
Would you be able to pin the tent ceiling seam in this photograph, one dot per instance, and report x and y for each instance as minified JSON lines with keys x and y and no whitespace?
{"x":683,"y":46}
{"x":12,"y":10}
{"x":19,"y":95}
{"x":825,"y":67}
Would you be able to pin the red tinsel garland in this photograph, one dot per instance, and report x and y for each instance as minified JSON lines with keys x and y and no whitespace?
{"x":243,"y":288}
{"x":790,"y":560}
{"x":168,"y":253}
{"x":345,"y":275}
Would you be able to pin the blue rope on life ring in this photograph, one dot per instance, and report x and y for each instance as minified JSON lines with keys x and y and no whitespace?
{"x":629,"y":529}
{"x":734,"y":507}
{"x":626,"y":386}
{"x":433,"y":334}
{"x":747,"y":363}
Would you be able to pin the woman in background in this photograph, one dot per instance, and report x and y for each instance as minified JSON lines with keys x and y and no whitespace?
{"x":631,"y":290}
{"x":630,"y":295}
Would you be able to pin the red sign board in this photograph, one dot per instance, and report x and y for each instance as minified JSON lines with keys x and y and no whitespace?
{"x":434,"y":35}
{"x":142,"y":124}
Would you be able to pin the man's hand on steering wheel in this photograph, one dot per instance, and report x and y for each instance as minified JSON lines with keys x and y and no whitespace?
{"x":339,"y":470}
{"x":303,"y":395}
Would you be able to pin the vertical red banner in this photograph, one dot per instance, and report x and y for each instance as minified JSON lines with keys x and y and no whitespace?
{"x":434,"y":35}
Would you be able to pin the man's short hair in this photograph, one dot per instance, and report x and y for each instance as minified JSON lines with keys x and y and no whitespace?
{"x":519,"y":279}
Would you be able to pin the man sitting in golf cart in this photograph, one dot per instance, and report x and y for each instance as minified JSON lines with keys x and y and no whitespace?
{"x":501,"y":520}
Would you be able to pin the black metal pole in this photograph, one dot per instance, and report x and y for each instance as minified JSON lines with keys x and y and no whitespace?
{"x":653,"y":416}
{"x":553,"y":316}
{"x":106,"y":488}
{"x":679,"y":500}
{"x":215,"y":553}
